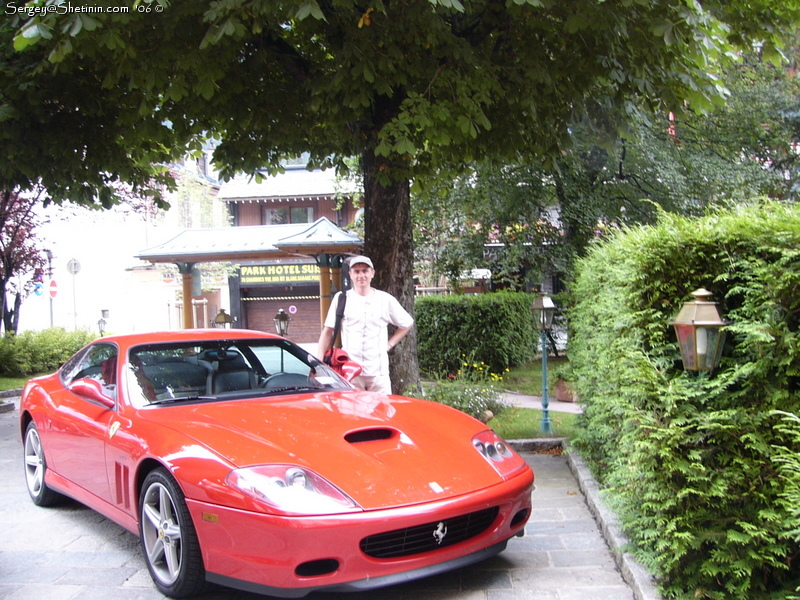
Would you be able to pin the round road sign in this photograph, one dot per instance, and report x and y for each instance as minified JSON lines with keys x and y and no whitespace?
{"x":53,"y":288}
{"x":73,"y":266}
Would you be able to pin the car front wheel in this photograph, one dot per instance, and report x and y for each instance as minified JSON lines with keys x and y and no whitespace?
{"x":35,"y":469}
{"x":169,"y":540}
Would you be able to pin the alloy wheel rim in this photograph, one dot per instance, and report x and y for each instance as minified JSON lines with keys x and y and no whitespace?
{"x":34,"y":463}
{"x":161,"y":534}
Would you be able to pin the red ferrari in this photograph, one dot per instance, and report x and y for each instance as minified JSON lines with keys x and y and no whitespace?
{"x":240,"y":459}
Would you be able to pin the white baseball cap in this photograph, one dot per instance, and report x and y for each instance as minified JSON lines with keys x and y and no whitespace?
{"x":358,"y":260}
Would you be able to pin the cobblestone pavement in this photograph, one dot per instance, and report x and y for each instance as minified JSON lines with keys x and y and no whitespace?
{"x":72,"y":553}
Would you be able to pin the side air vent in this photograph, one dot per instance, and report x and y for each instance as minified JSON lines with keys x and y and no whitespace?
{"x":369,"y":435}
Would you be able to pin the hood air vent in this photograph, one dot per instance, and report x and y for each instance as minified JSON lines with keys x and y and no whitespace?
{"x":369,"y":435}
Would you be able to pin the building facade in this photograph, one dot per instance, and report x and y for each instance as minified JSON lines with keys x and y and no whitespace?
{"x":263,"y":287}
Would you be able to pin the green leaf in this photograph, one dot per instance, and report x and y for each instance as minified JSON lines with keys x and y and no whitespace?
{"x":62,"y":49}
{"x":22,"y":42}
{"x":310,"y":8}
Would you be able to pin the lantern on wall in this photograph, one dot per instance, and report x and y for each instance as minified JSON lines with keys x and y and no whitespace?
{"x":698,"y":328}
{"x":223,"y":320}
{"x":282,"y":323}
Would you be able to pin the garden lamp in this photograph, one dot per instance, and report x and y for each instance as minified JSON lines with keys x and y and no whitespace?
{"x":698,"y":328}
{"x":543,"y":309}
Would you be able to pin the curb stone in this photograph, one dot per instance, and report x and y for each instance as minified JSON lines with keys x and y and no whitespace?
{"x":6,"y":400}
{"x":633,"y":572}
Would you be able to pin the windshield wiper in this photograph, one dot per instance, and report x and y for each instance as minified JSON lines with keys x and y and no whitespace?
{"x":178,"y":399}
{"x":291,"y":388}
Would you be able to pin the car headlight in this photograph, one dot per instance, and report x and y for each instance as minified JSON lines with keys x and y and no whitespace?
{"x":497,"y":453}
{"x":291,"y":489}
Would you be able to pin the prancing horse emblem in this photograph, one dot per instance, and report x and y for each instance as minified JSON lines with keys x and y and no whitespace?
{"x":440,"y":532}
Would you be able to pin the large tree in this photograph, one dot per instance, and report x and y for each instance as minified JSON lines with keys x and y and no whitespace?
{"x":664,"y":163}
{"x":20,"y":256}
{"x":407,"y":86}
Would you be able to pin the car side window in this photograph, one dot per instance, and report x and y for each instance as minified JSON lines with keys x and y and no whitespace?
{"x":275,"y":359}
{"x":99,"y":362}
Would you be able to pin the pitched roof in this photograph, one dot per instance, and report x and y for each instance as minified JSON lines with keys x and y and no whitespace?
{"x":291,"y":184}
{"x":239,"y":244}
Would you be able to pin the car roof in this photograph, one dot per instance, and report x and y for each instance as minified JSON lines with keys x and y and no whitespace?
{"x":185,"y":335}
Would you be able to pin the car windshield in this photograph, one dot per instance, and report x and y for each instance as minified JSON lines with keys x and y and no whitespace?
{"x":209,"y":370}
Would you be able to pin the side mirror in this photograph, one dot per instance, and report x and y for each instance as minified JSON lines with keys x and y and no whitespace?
{"x":91,"y":389}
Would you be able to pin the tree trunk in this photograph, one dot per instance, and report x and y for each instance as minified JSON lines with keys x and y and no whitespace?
{"x":5,"y":313}
{"x":15,"y":316}
{"x":389,"y":243}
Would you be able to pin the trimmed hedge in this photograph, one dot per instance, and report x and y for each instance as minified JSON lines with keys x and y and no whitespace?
{"x":495,"y":329}
{"x":695,"y":464}
{"x":34,"y":352}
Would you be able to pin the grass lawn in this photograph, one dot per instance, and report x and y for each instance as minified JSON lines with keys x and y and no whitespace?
{"x":527,"y":378}
{"x":11,"y":383}
{"x":526,"y":423}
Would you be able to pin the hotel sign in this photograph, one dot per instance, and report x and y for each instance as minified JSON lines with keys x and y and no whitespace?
{"x":281,"y":274}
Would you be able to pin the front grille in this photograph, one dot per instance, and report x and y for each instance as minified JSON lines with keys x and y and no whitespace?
{"x":431,"y":536}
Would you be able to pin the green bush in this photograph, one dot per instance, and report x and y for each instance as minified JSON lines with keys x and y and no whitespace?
{"x":471,"y":389}
{"x":687,"y":458}
{"x":34,"y":352}
{"x":472,"y":398}
{"x":493,"y":329}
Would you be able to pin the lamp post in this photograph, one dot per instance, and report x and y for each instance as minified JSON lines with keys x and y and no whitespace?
{"x":542,"y":310}
{"x":223,"y":320}
{"x":698,"y":328}
{"x":282,"y":323}
{"x":101,"y":325}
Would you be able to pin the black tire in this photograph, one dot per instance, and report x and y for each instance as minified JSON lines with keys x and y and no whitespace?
{"x":36,"y":468}
{"x":168,"y":538}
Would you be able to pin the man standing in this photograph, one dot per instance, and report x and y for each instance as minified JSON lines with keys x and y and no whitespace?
{"x":365,"y":336}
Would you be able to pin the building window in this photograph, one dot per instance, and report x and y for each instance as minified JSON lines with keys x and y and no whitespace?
{"x":284,"y":215}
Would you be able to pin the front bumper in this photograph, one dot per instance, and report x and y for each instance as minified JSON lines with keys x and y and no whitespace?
{"x":292,"y":556}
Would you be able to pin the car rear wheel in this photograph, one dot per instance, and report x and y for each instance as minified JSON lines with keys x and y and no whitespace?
{"x":169,"y":540}
{"x":35,"y":469}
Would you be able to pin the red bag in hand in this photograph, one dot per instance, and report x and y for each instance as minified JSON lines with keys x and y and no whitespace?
{"x":336,"y":358}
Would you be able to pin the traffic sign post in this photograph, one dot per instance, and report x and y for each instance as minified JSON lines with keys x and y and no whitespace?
{"x":74,"y":267}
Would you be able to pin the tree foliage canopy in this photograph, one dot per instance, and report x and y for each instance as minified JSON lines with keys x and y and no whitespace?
{"x":99,"y":96}
{"x":680,"y":164}
{"x":408,"y":86}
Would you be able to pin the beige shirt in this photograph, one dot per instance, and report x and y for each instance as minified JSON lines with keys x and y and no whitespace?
{"x":364,"y":328}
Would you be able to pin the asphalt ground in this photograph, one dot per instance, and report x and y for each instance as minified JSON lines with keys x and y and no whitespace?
{"x":72,"y":553}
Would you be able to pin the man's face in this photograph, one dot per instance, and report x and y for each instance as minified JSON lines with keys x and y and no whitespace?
{"x":361,"y":275}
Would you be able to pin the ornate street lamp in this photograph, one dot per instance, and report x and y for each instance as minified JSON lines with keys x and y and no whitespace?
{"x":543,"y":309}
{"x":698,"y":328}
{"x":223,"y":320}
{"x":282,"y":323}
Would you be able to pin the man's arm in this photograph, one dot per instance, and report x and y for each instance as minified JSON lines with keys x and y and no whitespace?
{"x":398,"y":335}
{"x":325,"y":341}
